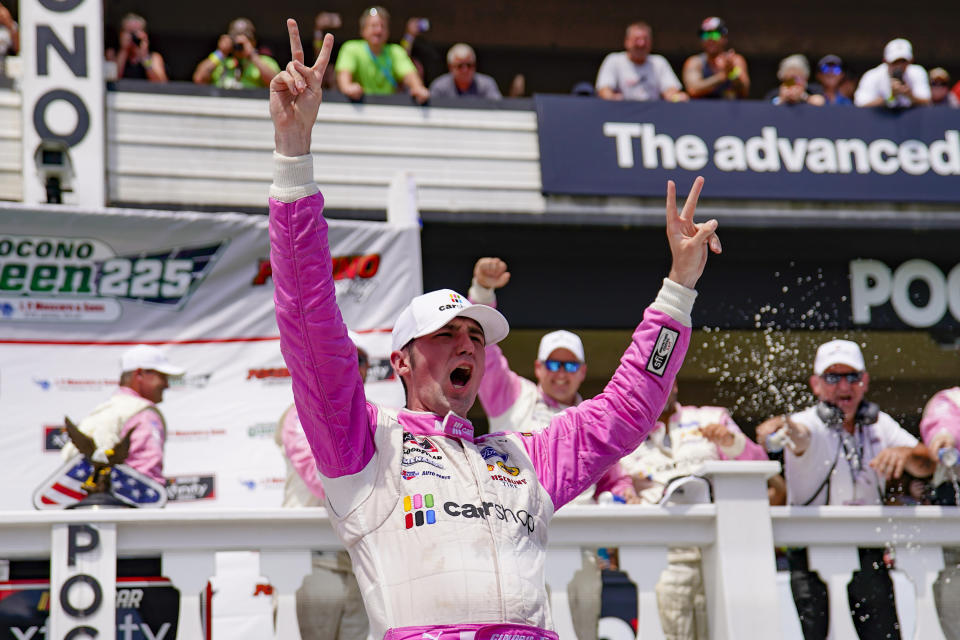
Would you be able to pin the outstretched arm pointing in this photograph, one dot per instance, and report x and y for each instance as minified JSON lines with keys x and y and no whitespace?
{"x":295,"y":96}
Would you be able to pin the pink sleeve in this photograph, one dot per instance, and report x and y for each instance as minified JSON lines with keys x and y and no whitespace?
{"x":146,"y":443}
{"x":500,"y":386}
{"x":583,"y":442}
{"x":615,"y":480}
{"x":940,"y":414}
{"x":751,"y":450}
{"x":298,"y":452}
{"x":322,"y":359}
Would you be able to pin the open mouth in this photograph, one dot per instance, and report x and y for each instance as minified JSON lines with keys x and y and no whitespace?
{"x":460,"y":377}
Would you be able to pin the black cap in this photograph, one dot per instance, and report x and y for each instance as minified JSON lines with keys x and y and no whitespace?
{"x":713,"y":23}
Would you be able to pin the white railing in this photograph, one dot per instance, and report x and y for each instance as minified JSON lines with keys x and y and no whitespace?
{"x":746,"y":597}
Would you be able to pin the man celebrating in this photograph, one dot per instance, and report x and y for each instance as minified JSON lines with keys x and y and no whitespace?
{"x":132,"y":407}
{"x":423,"y":516}
{"x":842,"y":451}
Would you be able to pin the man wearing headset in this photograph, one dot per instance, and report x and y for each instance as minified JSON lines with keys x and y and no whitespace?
{"x":842,"y":451}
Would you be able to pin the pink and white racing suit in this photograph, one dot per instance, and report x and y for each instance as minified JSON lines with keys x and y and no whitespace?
{"x":447,"y":532}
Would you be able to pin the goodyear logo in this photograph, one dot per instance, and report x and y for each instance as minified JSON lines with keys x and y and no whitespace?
{"x":418,"y":510}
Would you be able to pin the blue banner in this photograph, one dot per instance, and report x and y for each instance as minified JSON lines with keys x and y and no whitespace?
{"x":748,"y":150}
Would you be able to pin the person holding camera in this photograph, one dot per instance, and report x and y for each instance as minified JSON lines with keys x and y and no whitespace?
{"x":897,"y":83}
{"x":794,"y":73}
{"x":372,"y":66}
{"x":842,"y":451}
{"x":236,"y":63}
{"x":134,"y":59}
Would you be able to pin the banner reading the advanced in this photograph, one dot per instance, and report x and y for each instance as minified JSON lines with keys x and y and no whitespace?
{"x":748,"y":150}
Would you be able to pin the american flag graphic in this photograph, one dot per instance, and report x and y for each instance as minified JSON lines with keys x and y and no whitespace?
{"x":64,"y":488}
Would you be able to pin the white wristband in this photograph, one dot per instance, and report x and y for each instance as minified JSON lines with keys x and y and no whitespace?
{"x":292,"y":178}
{"x":676,"y":301}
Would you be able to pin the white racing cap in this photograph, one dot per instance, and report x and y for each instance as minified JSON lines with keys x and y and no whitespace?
{"x":144,"y":356}
{"x":428,"y":312}
{"x":560,"y":340}
{"x":838,"y":352}
{"x":898,"y":49}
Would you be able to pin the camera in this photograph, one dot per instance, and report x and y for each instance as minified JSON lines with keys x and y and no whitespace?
{"x":897,"y":74}
{"x":55,"y":168}
{"x":137,"y":40}
{"x":237,"y":47}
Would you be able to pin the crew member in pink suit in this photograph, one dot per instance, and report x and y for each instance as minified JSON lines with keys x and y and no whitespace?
{"x":329,"y":605}
{"x":441,"y":543}
{"x":145,"y":373}
{"x":685,"y":437}
{"x":940,"y":429}
{"x":514,"y":403}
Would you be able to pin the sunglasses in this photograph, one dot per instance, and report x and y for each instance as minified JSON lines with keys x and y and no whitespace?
{"x":939,"y":83}
{"x":710,"y":35}
{"x":465,"y":65}
{"x":569,"y":367}
{"x":834,"y":378}
{"x":831,"y":69}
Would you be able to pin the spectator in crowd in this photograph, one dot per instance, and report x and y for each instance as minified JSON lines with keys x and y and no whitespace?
{"x":685,"y":437}
{"x":236,"y":62}
{"x":134,"y":59}
{"x":373,"y":66}
{"x":940,"y":95}
{"x":329,"y":604}
{"x":145,"y":373}
{"x":842,"y":451}
{"x":323,"y":23}
{"x":895,"y":83}
{"x":718,"y":72}
{"x":9,"y":36}
{"x":940,"y":428}
{"x":637,"y":74}
{"x":830,"y":75}
{"x":513,"y":403}
{"x":463,"y":79}
{"x":793,"y":74}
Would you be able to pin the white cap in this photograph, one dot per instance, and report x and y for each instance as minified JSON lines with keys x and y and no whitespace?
{"x":899,"y":49}
{"x":838,"y":352}
{"x":143,"y":356}
{"x":560,"y":340}
{"x":428,"y":312}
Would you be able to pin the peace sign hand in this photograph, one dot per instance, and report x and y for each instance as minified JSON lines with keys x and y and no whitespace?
{"x":296,"y":94}
{"x":688,"y":240}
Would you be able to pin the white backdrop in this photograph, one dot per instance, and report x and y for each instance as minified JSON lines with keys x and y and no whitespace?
{"x":77,"y":287}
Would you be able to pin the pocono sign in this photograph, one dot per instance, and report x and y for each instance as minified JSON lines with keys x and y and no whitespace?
{"x":83,"y":579}
{"x":63,"y":99}
{"x":873,"y":284}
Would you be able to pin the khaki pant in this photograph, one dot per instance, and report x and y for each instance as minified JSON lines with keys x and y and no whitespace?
{"x":329,"y":605}
{"x":583,"y":594}
{"x":681,"y":599}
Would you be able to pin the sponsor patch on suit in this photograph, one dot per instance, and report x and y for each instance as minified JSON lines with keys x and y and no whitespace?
{"x":662,"y":351}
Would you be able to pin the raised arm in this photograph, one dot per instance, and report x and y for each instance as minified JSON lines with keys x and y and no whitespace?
{"x":581,"y":443}
{"x":313,"y":338}
{"x":500,"y":386}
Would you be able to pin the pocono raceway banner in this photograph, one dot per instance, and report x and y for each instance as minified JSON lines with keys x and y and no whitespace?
{"x":748,"y":150}
{"x":78,"y":287}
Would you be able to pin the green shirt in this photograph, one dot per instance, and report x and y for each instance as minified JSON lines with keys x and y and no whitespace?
{"x":227,"y":75}
{"x":356,"y":57}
